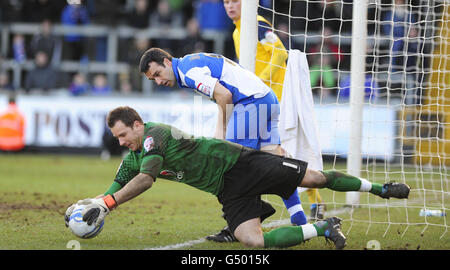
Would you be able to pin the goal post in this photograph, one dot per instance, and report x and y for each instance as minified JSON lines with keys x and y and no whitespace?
{"x":249,"y":34}
{"x":357,"y":77}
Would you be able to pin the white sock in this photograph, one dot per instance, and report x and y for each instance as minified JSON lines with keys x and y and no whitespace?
{"x":366,"y":186}
{"x":295,"y":209}
{"x":309,"y":231}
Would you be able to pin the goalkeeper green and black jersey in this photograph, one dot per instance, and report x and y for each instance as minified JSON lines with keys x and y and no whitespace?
{"x":172,"y":154}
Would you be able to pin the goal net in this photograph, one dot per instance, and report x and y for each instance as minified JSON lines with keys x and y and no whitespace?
{"x":380,"y":78}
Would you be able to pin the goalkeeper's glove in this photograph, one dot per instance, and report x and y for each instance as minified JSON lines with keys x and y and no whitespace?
{"x":97,"y":209}
{"x":68,"y":213}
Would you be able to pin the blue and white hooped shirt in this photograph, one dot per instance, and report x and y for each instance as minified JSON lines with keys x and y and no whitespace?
{"x":201,"y":71}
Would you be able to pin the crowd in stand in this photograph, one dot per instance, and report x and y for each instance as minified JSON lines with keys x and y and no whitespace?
{"x":47,"y":50}
{"x":329,"y":19}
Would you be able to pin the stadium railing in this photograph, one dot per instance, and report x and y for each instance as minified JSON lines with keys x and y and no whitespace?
{"x":111,"y":66}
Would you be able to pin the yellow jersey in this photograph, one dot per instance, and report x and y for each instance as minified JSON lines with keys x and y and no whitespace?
{"x":271,"y":55}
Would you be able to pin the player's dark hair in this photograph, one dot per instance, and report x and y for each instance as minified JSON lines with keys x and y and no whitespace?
{"x":125,"y":114}
{"x":156,"y":55}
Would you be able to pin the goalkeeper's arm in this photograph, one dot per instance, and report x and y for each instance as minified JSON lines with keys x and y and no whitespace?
{"x":115,"y":186}
{"x":97,"y":209}
{"x":136,"y":186}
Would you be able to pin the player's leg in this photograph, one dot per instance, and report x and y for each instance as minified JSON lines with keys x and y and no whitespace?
{"x":293,"y":235}
{"x":293,"y":203}
{"x":340,"y":181}
{"x":242,"y":129}
{"x":268,"y":119}
{"x":255,"y":125}
{"x":250,"y":234}
{"x":257,"y":173}
{"x":317,"y":206}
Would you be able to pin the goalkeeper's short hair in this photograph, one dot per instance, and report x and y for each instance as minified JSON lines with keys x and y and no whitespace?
{"x":125,"y":114}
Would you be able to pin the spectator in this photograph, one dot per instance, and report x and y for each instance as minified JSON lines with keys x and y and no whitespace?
{"x":399,"y":24}
{"x":371,"y":88}
{"x":324,"y":58}
{"x":178,"y":6}
{"x":211,"y":15}
{"x":138,"y":46}
{"x":18,"y":47}
{"x":265,"y":3}
{"x":337,"y":15}
{"x":406,"y":51}
{"x":43,"y":76}
{"x":125,"y":86}
{"x":79,"y":85}
{"x":306,"y":16}
{"x":184,"y":7}
{"x":75,"y":44}
{"x":283,"y":33}
{"x":100,"y":86}
{"x":102,"y":12}
{"x":5,"y":84}
{"x":47,"y":42}
{"x":166,"y":17}
{"x":139,"y":17}
{"x":12,"y":127}
{"x":409,"y":61}
{"x":194,"y":43}
{"x":312,"y":16}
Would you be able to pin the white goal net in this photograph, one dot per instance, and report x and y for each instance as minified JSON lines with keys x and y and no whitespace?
{"x":403,"y":106}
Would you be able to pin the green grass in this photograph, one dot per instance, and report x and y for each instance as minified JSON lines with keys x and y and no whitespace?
{"x":35,"y":191}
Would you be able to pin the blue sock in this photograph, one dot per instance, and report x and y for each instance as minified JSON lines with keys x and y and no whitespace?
{"x":295,"y":209}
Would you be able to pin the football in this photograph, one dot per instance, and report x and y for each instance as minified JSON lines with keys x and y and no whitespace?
{"x":80,"y":228}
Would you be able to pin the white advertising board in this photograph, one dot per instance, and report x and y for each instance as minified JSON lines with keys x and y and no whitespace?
{"x":54,"y":121}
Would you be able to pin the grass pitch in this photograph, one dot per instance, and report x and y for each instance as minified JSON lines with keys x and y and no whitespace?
{"x":35,"y":191}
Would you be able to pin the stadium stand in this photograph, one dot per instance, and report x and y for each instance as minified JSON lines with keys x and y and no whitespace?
{"x":106,"y":43}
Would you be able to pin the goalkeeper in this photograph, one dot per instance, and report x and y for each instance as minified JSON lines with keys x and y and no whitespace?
{"x":270,"y":66}
{"x":237,"y":175}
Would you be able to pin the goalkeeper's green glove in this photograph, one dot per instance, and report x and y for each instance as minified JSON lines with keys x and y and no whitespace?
{"x":97,"y":209}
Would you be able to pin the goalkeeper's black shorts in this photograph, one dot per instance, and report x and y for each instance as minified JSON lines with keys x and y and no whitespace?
{"x":257,"y":173}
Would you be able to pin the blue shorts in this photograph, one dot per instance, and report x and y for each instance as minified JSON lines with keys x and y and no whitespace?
{"x":254,"y":122}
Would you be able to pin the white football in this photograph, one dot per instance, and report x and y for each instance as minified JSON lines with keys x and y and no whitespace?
{"x":80,"y":228}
